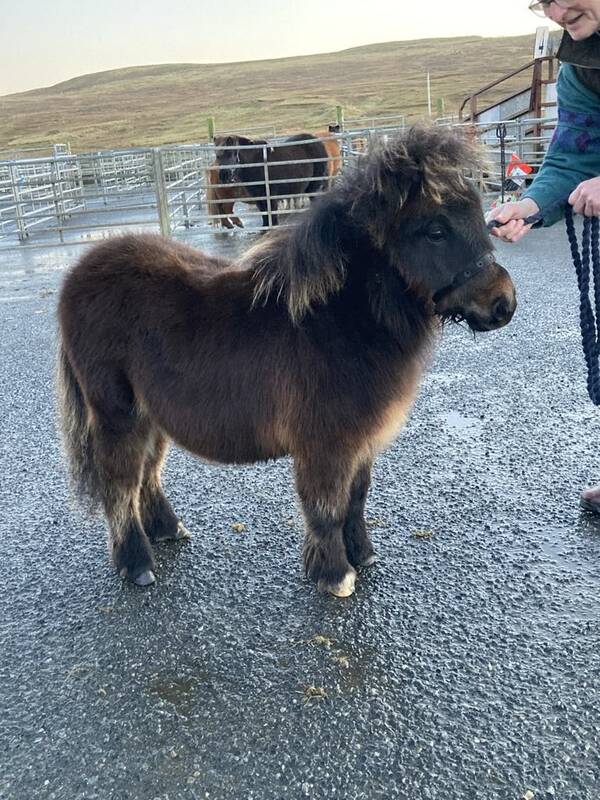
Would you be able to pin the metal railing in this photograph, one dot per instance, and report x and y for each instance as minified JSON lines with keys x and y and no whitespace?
{"x":64,"y":198}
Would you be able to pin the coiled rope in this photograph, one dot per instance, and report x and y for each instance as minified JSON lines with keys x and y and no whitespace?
{"x":588,"y":316}
{"x":586,"y":278}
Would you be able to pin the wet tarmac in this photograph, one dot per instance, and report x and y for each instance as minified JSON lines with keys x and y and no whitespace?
{"x":467,"y":665}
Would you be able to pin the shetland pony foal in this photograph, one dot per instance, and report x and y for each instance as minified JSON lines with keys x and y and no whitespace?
{"x":312,"y":345}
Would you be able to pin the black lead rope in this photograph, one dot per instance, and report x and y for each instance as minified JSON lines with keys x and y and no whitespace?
{"x":588,"y":316}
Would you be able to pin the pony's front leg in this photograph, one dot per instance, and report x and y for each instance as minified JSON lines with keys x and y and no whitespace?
{"x":323,"y":489}
{"x":359,"y":549}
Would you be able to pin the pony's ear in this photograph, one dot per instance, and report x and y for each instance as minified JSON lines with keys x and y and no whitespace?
{"x":304,"y":264}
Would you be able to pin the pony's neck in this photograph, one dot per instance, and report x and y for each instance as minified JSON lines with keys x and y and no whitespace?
{"x":380,"y":295}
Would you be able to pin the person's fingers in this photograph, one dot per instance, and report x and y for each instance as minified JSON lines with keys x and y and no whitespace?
{"x":579,"y":203}
{"x":503,"y":213}
{"x":524,"y":229}
{"x":574,"y":196}
{"x":509,"y":230}
{"x":512,"y":231}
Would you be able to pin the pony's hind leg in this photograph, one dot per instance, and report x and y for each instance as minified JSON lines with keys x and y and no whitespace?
{"x":323,"y":488}
{"x":158,"y":518}
{"x":359,"y":549}
{"x":120,"y":438}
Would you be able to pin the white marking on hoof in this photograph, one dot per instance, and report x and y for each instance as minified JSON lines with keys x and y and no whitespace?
{"x":345,"y":587}
{"x":182,"y":531}
{"x":368,"y":562}
{"x":146,"y":578}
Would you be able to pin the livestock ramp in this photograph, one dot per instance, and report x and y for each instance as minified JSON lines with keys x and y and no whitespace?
{"x":524,"y":100}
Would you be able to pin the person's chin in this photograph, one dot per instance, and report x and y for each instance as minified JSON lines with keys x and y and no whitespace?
{"x":581,"y":29}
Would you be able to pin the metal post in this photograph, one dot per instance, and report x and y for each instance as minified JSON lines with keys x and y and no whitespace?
{"x":59,"y":205}
{"x":339,"y":115}
{"x":21,"y":224}
{"x":501,"y":135}
{"x":428,"y":94}
{"x":267,"y":187}
{"x":161,"y":192}
{"x":211,"y":128}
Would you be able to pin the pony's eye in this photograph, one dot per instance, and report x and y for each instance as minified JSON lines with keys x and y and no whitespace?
{"x":436,"y":233}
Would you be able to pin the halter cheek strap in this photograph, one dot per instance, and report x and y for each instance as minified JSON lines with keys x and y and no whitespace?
{"x":460,"y":278}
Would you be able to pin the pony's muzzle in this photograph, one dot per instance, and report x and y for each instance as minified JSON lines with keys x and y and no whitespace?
{"x":486,"y":302}
{"x":500,"y":310}
{"x":227,"y":175}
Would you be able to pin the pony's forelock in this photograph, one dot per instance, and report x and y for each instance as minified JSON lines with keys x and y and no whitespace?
{"x":304,"y":264}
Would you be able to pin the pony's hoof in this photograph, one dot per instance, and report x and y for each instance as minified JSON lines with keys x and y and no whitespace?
{"x":344,"y":588}
{"x":368,"y":561}
{"x":147,"y":578}
{"x":182,"y":532}
{"x":172,"y":535}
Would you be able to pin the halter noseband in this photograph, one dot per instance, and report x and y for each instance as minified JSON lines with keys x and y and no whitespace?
{"x":465,"y":275}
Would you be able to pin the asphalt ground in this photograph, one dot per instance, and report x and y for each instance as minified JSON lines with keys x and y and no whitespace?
{"x":465,"y":666}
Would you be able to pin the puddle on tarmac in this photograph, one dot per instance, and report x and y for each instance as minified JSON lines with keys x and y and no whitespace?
{"x":467,"y":427}
{"x":179,"y":692}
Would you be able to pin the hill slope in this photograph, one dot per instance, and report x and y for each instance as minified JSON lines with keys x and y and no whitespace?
{"x":153,"y":105}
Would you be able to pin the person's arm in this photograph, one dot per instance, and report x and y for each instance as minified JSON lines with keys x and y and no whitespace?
{"x":574,"y":153}
{"x":573,"y":158}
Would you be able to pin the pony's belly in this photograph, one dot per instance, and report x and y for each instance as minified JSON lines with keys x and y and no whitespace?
{"x":226,"y":445}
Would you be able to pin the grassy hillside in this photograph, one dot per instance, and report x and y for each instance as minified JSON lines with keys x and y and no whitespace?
{"x":153,"y":105}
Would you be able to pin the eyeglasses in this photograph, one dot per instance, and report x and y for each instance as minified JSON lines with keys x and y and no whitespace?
{"x":542,"y":7}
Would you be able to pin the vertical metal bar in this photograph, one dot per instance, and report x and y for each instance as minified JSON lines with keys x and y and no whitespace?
{"x":21,"y":225}
{"x":501,"y":135}
{"x":161,"y":192}
{"x":267,"y":187}
{"x":57,"y":197}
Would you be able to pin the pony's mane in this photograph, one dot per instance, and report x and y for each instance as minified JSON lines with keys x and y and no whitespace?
{"x":303,"y":264}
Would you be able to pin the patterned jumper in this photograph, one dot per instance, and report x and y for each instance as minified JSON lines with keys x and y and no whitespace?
{"x":574,"y":153}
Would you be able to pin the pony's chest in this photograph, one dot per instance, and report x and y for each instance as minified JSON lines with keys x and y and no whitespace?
{"x":394,"y":414}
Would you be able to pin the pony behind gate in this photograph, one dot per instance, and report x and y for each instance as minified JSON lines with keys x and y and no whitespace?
{"x":272,"y":172}
{"x":220,"y":200}
{"x":311,"y":345}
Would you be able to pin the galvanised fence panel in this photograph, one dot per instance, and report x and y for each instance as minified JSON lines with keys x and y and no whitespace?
{"x":65,"y":198}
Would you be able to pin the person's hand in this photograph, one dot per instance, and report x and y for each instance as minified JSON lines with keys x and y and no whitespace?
{"x":585,"y":199}
{"x":512,"y":216}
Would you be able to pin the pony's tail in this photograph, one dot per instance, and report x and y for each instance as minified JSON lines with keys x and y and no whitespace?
{"x":76,"y":434}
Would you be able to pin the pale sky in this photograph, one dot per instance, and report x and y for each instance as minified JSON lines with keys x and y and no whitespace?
{"x":43,"y":42}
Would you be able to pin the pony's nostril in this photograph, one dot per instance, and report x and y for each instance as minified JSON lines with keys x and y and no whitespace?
{"x":501,"y":308}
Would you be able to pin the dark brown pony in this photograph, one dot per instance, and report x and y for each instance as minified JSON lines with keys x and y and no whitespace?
{"x":311,"y":345}
{"x":271,"y":173}
{"x":221,"y":199}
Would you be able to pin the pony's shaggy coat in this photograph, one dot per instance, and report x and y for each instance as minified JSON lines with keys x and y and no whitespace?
{"x":312,"y":345}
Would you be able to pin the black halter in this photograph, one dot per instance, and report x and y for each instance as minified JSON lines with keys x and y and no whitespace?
{"x":465,"y":275}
